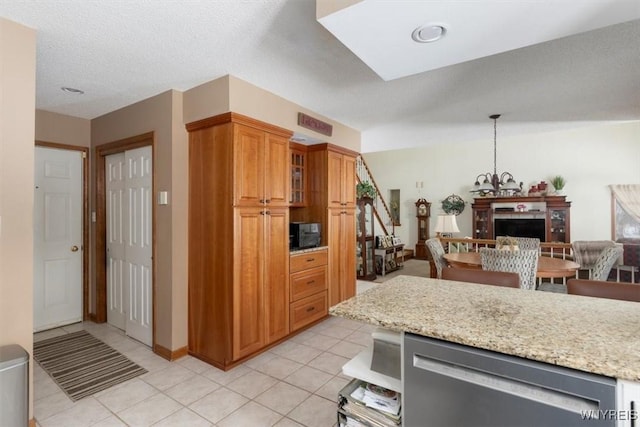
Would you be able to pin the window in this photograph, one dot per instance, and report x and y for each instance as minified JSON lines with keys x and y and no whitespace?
{"x":626,"y":211}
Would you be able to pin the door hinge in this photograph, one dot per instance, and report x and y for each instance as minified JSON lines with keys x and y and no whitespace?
{"x":84,"y":154}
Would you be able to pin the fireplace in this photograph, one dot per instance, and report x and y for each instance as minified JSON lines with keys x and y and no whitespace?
{"x":519,"y":227}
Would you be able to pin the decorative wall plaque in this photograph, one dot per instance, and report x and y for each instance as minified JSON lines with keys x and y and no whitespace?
{"x":314,"y":124}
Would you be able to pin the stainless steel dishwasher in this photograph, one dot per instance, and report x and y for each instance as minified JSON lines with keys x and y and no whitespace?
{"x":447,"y":384}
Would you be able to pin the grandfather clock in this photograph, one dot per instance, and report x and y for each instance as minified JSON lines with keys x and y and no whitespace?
{"x":423,"y":212}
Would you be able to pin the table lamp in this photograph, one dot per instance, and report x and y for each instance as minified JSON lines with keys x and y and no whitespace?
{"x":446,"y":225}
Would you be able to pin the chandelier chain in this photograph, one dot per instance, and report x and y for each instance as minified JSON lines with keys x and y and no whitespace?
{"x":495,"y":150}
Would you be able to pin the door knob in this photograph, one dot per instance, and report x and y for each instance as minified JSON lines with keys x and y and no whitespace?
{"x":74,"y":248}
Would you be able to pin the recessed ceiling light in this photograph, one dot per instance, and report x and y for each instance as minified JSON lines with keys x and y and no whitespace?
{"x":428,"y":33}
{"x":72,"y":90}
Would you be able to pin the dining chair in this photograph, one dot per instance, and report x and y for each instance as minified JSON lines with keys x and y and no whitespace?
{"x":523,"y":261}
{"x":608,"y":257}
{"x":603,"y":289}
{"x":586,"y":252}
{"x":526,"y":242}
{"x":437,"y":254}
{"x":484,"y":277}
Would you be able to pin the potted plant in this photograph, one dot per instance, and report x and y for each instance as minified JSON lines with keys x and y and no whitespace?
{"x":558,"y":183}
{"x":365,"y":189}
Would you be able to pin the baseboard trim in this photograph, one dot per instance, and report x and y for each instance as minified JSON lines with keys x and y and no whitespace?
{"x":170,"y":355}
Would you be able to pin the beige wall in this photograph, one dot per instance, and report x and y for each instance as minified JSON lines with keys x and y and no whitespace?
{"x":230,"y":93}
{"x":206,"y":100}
{"x":179,"y":226}
{"x":53,"y":127}
{"x":17,"y":117}
{"x":159,"y":115}
{"x":327,"y":7}
{"x":590,"y":159}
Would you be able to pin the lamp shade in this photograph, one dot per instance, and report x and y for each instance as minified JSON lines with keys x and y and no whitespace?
{"x":446,"y":224}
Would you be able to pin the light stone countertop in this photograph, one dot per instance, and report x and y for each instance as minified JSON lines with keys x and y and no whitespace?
{"x":596,"y":335}
{"x":302,"y":251}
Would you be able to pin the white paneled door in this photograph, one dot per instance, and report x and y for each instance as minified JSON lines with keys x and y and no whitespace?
{"x":129,"y":242}
{"x":115,"y":177}
{"x":57,"y":286}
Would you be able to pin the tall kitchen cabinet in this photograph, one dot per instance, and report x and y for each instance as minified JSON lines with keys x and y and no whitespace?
{"x":332,"y":195}
{"x":238,"y":237}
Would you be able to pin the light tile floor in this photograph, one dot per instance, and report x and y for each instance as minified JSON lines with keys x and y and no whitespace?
{"x":293,"y":384}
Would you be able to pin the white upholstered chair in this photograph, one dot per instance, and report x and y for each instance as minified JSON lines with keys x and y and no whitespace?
{"x":521,"y":261}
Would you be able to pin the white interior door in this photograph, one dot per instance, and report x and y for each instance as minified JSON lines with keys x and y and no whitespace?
{"x":129,"y":243}
{"x":57,"y":291}
{"x":115,"y":177}
{"x":139,"y":244}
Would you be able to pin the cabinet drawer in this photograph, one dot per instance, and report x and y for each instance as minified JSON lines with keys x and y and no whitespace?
{"x":308,"y":310}
{"x":308,"y":282}
{"x":307,"y":260}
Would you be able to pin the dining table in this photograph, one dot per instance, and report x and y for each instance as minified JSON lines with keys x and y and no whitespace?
{"x":548,"y":267}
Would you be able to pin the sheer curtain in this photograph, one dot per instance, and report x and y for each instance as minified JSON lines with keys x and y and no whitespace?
{"x":628,"y":195}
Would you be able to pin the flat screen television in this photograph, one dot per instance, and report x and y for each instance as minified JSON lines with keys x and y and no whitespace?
{"x":520,"y":227}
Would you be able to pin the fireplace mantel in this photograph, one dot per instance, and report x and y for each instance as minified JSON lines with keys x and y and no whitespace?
{"x":556,"y":214}
{"x":487,"y":200}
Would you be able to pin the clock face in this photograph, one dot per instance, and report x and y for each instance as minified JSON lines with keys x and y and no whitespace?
{"x":422,"y":210}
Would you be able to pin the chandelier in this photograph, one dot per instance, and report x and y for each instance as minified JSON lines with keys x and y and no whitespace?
{"x":492,"y":183}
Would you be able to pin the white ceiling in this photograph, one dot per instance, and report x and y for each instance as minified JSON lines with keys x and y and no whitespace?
{"x":122,"y":52}
{"x":380,"y":33}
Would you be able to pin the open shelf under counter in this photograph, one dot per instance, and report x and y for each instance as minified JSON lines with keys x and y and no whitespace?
{"x":360,"y":367}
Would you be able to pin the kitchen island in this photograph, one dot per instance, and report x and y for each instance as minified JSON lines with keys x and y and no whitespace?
{"x":592,"y":335}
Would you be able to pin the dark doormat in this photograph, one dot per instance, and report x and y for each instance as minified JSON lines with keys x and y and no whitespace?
{"x":83,"y":365}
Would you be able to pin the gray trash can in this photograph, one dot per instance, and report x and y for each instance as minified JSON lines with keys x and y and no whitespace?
{"x":14,"y":386}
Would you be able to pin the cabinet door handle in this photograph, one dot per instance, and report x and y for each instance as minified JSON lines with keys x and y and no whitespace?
{"x":310,"y":309}
{"x":261,"y":200}
{"x":268,"y":201}
{"x":311,"y":282}
{"x":267,"y":212}
{"x":310,"y":259}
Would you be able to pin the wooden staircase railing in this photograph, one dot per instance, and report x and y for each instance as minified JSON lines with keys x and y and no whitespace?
{"x":380,"y":207}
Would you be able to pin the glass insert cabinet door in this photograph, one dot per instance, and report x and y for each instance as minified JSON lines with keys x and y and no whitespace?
{"x":298,"y":182}
{"x":368,"y":220}
{"x":365,"y":240}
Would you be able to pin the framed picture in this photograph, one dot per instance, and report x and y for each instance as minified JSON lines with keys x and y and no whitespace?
{"x":397,"y":241}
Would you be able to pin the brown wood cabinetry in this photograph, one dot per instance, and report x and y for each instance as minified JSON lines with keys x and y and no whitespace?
{"x":261,"y":164}
{"x":341,"y":179}
{"x":308,"y":287}
{"x":342,"y":260}
{"x":238,"y":237}
{"x":332,"y":199}
{"x":555,"y":210}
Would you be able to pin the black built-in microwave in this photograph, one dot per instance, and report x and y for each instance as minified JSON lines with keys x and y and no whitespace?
{"x":304,"y":235}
